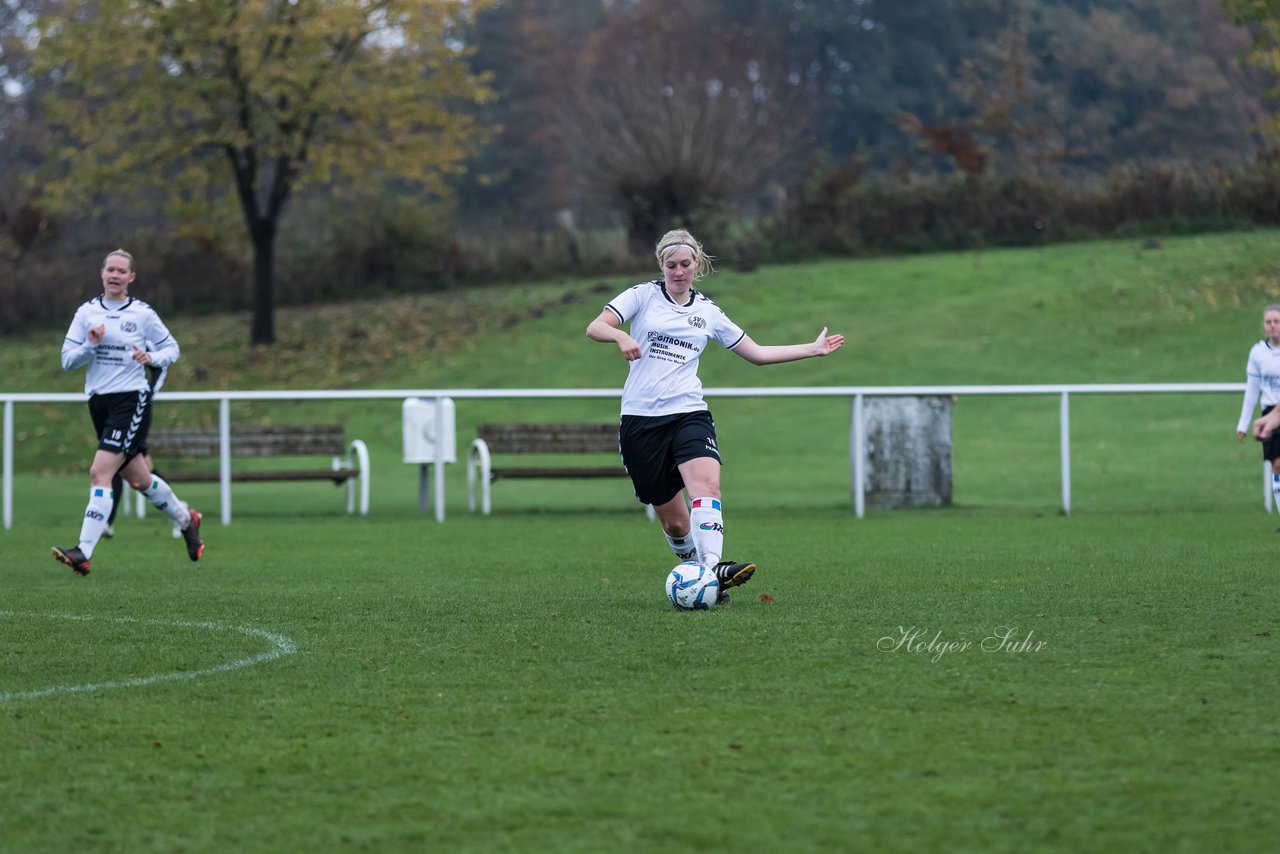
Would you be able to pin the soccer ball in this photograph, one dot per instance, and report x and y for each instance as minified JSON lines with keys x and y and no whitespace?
{"x":692,"y":587}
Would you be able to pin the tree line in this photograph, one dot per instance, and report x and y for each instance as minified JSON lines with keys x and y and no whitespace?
{"x":268,"y":151}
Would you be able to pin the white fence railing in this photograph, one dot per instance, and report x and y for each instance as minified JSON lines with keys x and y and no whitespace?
{"x":856,"y":394}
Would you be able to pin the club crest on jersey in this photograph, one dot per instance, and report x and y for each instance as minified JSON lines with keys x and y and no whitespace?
{"x":128,"y":326}
{"x":697,"y":322}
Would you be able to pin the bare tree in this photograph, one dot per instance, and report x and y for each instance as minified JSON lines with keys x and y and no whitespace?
{"x":668,"y":113}
{"x":1092,"y":87}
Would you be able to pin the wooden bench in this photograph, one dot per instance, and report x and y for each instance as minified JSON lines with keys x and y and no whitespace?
{"x":562,"y":439}
{"x":349,"y":463}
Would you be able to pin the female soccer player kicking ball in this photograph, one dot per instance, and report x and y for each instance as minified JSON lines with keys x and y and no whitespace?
{"x":666,"y":435}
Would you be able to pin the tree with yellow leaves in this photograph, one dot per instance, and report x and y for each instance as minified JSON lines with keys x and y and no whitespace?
{"x":174,"y":95}
{"x":1262,"y":17}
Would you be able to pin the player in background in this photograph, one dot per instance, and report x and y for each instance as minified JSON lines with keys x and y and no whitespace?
{"x":667,"y":437}
{"x":1262,"y":380}
{"x":110,"y":334}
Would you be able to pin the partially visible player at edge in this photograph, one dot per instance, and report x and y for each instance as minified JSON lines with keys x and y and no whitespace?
{"x":667,"y":437}
{"x":1262,"y":380}
{"x":110,"y":334}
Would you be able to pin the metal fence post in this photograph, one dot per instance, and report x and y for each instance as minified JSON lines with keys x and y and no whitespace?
{"x":440,"y":455}
{"x":8,"y":465}
{"x":224,"y":454}
{"x":1065,"y":428}
{"x":858,"y":453}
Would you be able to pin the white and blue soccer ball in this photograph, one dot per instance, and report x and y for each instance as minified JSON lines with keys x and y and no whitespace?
{"x":692,"y":587}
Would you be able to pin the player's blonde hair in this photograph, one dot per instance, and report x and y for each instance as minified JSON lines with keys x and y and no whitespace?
{"x":676,"y":238}
{"x":1275,"y":306}
{"x":123,"y":254}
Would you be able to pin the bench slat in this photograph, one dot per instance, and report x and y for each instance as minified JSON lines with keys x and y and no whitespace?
{"x":564,"y":471}
{"x":592,"y":438}
{"x":268,"y":440}
{"x":338,"y":476}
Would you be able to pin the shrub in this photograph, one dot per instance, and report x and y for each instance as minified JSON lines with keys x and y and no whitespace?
{"x":965,"y":211}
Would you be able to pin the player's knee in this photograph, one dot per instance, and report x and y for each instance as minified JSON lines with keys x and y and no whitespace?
{"x":139,"y":481}
{"x":1275,"y":465}
{"x":673,"y":516}
{"x":100,"y":475}
{"x":675,"y":528}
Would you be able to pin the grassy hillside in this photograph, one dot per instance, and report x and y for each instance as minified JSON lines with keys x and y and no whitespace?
{"x":1177,"y":310}
{"x":1083,"y":312}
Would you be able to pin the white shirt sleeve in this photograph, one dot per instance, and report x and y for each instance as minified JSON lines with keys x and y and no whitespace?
{"x":728,"y":333}
{"x":626,"y":304}
{"x":1252,"y":389}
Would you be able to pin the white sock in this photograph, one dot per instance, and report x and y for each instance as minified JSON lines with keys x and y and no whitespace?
{"x":161,"y":495}
{"x":95,"y":518}
{"x":683,"y":547}
{"x":708,"y":529}
{"x":177,"y":531}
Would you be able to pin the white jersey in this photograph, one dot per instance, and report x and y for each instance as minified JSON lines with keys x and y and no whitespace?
{"x":664,"y":380}
{"x":128,"y":324}
{"x":1262,"y":378}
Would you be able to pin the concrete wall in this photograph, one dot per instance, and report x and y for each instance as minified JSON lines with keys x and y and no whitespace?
{"x":908,"y":447}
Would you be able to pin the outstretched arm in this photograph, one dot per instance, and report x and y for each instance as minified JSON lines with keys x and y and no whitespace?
{"x":761,"y":354}
{"x":605,"y":329}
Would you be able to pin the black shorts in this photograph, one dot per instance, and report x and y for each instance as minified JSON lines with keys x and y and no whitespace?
{"x":652,"y":447}
{"x":1271,"y":445}
{"x":121,"y":421}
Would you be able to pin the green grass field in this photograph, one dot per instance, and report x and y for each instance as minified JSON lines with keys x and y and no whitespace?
{"x":992,"y":676}
{"x":520,"y":683}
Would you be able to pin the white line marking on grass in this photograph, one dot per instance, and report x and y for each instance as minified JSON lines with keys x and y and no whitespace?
{"x":282,"y":646}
